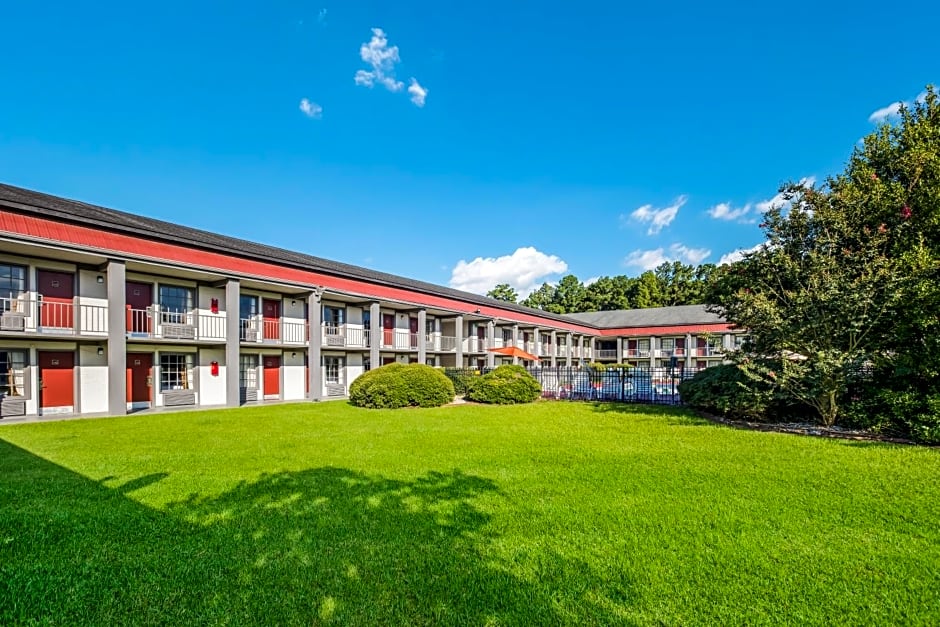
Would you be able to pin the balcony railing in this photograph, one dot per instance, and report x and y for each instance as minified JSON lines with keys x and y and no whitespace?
{"x":399,"y":339}
{"x":678,"y":351}
{"x":54,"y":318}
{"x":708,"y":351}
{"x":345,"y":335}
{"x":606,"y":353}
{"x":273,"y":331}
{"x":637,"y":353}
{"x":152,"y":323}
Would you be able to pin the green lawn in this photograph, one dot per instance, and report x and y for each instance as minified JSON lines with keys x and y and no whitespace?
{"x":553,"y":513}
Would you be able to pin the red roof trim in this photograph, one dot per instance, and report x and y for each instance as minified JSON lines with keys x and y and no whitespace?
{"x":108,"y":242}
{"x":719,"y":327}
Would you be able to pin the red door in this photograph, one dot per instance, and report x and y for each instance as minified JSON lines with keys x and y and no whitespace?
{"x":139,"y":298}
{"x":413,"y":331}
{"x":481,"y":338}
{"x":271,"y":310}
{"x":56,"y":383}
{"x":701,"y":346}
{"x":680,"y":346}
{"x":56,"y":290}
{"x":139,"y":377}
{"x":388,"y":329}
{"x":631,"y":349}
{"x":272,"y":375}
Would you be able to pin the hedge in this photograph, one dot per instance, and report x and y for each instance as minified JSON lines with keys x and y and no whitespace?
{"x":400,"y":385}
{"x":505,"y":385}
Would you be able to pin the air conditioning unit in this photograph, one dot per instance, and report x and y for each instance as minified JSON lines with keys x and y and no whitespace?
{"x":336,"y":340}
{"x":176,"y":331}
{"x":13,"y":321}
{"x":333,"y":389}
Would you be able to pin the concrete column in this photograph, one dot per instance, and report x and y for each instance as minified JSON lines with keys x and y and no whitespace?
{"x":537,"y":335}
{"x":458,"y":331}
{"x":490,"y":343}
{"x":117,"y":339}
{"x":315,"y":320}
{"x":553,"y":348}
{"x":375,"y":334}
{"x":232,"y":342}
{"x":422,"y":333}
{"x":568,"y":343}
{"x":619,"y":350}
{"x":689,"y":349}
{"x":516,"y":340}
{"x":653,"y":349}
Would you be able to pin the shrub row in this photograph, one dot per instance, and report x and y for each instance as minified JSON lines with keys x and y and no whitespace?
{"x":400,"y":385}
{"x":505,"y":385}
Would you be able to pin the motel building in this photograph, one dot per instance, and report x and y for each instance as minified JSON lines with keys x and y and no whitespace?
{"x":104,"y":312}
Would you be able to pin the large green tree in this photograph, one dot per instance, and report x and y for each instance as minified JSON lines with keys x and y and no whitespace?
{"x":849,"y":272}
{"x":504,"y":292}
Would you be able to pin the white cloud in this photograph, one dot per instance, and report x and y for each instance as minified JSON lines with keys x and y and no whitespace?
{"x":382,"y":58}
{"x":591,"y":281}
{"x":418,"y":93}
{"x":524,"y":270}
{"x":778,"y":199}
{"x":737,"y":255}
{"x":657,"y":218}
{"x":649,"y":259}
{"x":893,"y":109}
{"x":724,"y":211}
{"x":884,"y":113}
{"x":311,"y":109}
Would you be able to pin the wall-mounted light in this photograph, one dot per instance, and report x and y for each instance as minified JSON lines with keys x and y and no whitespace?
{"x":293,"y":303}
{"x":476,"y":311}
{"x":101,"y":350}
{"x":100,"y":279}
{"x":293,"y":354}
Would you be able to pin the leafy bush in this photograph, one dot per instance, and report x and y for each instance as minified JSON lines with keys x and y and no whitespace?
{"x":727,"y":391}
{"x":907,"y":413}
{"x":399,"y":385}
{"x":504,"y":386}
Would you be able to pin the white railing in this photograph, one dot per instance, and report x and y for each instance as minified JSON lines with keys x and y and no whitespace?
{"x":152,"y":323}
{"x":637,"y":352}
{"x":708,"y":351}
{"x":399,"y":339}
{"x":273,"y":331}
{"x":607,"y":353}
{"x":448,"y":343}
{"x":56,"y":318}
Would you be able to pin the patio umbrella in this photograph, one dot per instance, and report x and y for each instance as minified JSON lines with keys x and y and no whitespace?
{"x":514,"y":351}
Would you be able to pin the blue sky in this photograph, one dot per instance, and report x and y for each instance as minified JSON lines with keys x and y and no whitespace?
{"x":468,"y":145}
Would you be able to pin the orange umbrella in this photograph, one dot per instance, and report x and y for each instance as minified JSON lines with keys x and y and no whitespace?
{"x":514,"y":351}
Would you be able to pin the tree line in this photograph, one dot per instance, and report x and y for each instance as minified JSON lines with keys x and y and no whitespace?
{"x":669,"y":284}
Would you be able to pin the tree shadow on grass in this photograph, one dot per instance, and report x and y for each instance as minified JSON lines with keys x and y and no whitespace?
{"x":315,"y":546}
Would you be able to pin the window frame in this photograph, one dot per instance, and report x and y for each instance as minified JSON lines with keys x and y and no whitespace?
{"x":19,"y":375}
{"x":172,"y":377}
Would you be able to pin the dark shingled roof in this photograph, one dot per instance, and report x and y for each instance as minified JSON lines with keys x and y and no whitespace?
{"x":77,"y":212}
{"x":655,"y":317}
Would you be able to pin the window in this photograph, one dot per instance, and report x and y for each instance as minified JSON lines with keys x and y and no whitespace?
{"x":333,"y":316}
{"x":12,"y":372}
{"x":366,"y":319}
{"x":366,"y":364}
{"x":175,"y":299}
{"x":247,"y":307}
{"x":429,"y":326}
{"x":12,"y":284}
{"x":332,"y":367}
{"x":643,"y":345}
{"x":667,"y":343}
{"x":714,"y":343}
{"x":507,"y":336}
{"x":248,"y":372}
{"x":176,"y":371}
{"x":739,"y":341}
{"x":430,"y":361}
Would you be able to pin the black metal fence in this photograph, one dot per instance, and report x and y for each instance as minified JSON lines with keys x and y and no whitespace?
{"x":625,"y":385}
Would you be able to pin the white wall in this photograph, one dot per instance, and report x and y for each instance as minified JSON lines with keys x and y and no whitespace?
{"x":92,"y":380}
{"x":353,"y":368}
{"x":211,"y":389}
{"x":294,"y":374}
{"x":211,"y":325}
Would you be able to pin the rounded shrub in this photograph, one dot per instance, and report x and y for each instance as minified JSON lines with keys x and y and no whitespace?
{"x":504,"y":386}
{"x":726,"y":391}
{"x":400,"y":385}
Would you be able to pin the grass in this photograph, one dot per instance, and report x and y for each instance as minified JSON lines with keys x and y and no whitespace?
{"x":552,"y":513}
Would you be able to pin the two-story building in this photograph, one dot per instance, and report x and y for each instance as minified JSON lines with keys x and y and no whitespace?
{"x":105,"y":312}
